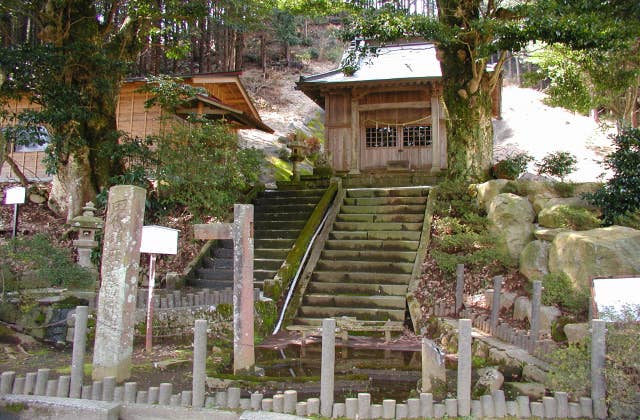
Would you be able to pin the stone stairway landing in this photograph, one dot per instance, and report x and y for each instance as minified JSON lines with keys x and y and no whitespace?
{"x":366,"y":265}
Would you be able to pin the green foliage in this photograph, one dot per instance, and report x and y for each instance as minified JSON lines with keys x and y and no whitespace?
{"x":559,"y":164}
{"x":622,"y":370}
{"x":521,"y":189}
{"x":559,"y":291}
{"x":512,"y":166}
{"x":620,"y":196}
{"x":202,"y":167}
{"x":267,"y":316}
{"x":570,"y":371}
{"x":564,"y":189}
{"x":37,"y":257}
{"x":576,"y":218}
{"x":630,"y":219}
{"x":453,"y":199}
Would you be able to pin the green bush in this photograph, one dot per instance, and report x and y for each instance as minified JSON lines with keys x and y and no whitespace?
{"x":630,"y":219}
{"x":521,"y":189}
{"x":512,"y":166}
{"x":621,"y":194}
{"x":575,"y":218}
{"x":203,"y":168}
{"x":558,"y":164}
{"x":454,"y":200}
{"x":564,"y":189}
{"x":559,"y":291}
{"x":622,"y":369}
{"x":44,"y":263}
{"x":570,"y":371}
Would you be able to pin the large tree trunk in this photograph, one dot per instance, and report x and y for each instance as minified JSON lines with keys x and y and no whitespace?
{"x":71,"y":188}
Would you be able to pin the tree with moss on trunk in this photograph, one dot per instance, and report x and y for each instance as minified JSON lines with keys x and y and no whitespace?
{"x":473,"y":39}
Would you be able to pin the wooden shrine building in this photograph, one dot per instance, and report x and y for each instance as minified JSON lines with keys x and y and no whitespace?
{"x":386,"y":117}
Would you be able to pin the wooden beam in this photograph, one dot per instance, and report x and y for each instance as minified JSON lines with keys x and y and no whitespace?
{"x":394,"y":105}
{"x":213,"y":231}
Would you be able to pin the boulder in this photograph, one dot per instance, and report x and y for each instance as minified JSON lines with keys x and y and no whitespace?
{"x":522,"y":308}
{"x":490,"y":379}
{"x":534,"y":260}
{"x":512,"y":217}
{"x":487,"y":191}
{"x":545,"y":234}
{"x":604,"y":252}
{"x":576,"y":333}
{"x":506,"y":299}
{"x":570,"y":201}
{"x":533,"y":373}
{"x":533,"y":390}
{"x":548,"y":315}
{"x":586,"y":187}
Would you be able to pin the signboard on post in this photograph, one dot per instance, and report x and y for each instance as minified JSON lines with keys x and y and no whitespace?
{"x":156,"y":240}
{"x":15,"y":196}
{"x":615,"y":298}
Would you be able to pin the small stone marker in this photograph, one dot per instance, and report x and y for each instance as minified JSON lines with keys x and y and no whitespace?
{"x":459,"y":287}
{"x":79,"y":346}
{"x":464,"y":367}
{"x":432,"y":365}
{"x":327,"y":366}
{"x":241,"y":231}
{"x":598,"y":356}
{"x":113,"y":346}
{"x":199,"y":362}
{"x":536,"y":300}
{"x":495,"y":305}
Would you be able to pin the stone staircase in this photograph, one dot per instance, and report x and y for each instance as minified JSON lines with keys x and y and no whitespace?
{"x":367,"y":261}
{"x":279,"y":216}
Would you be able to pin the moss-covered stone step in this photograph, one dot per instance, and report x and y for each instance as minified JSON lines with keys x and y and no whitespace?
{"x":218,"y":263}
{"x":349,"y":301}
{"x":219,"y":284}
{"x":384,"y":235}
{"x":365,"y":266}
{"x":382,"y":218}
{"x":384,"y":209}
{"x":285,"y":200}
{"x":371,"y":244}
{"x":363,"y":314}
{"x":388,"y":192}
{"x":382,"y":201}
{"x":369,"y":226}
{"x":273,"y":243}
{"x":222,"y":253}
{"x":283,"y":208}
{"x":358,"y":288}
{"x":277,"y":233}
{"x":365,"y":255}
{"x":354,"y":277}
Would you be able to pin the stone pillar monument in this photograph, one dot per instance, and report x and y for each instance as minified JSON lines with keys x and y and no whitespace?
{"x":119,"y":273}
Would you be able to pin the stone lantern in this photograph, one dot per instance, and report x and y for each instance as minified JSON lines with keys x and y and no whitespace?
{"x":87,"y":225}
{"x":298,"y":151}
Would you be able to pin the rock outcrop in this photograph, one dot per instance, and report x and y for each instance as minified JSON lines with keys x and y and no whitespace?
{"x":512,"y":217}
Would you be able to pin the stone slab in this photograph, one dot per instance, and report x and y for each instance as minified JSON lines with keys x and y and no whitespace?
{"x":54,"y":408}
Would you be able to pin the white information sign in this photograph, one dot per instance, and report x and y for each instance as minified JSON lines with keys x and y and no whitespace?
{"x":15,"y":195}
{"x":611,"y":296}
{"x":159,"y":240}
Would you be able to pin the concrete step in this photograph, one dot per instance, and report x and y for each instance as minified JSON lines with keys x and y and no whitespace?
{"x":214,"y":274}
{"x":267,"y":264}
{"x":383,"y":235}
{"x":366,"y":289}
{"x":350,"y":301}
{"x":385,"y":201}
{"x":354,"y":277}
{"x":399,"y":209}
{"x":284,"y":221}
{"x":284,"y":208}
{"x":384,"y":218}
{"x":398,"y":256}
{"x":388,"y":192}
{"x":365,"y":266}
{"x":223,"y":252}
{"x":364,"y":314}
{"x":277,"y":233}
{"x":293,"y":193}
{"x":369,"y":226}
{"x":273,"y":243}
{"x":211,"y":284}
{"x":371,"y":245}
{"x":260,"y":275}
{"x":271,"y":200}
{"x":275,"y":254}
{"x":218,"y":263}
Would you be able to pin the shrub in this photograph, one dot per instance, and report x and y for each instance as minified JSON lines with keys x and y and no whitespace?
{"x":564,"y":189}
{"x":46,"y":263}
{"x":521,"y":189}
{"x":559,"y":291}
{"x":621,"y":194}
{"x":512,"y":166}
{"x":575,"y":218}
{"x":453,"y":200}
{"x":202,"y":168}
{"x":570,"y":371}
{"x":622,"y":370}
{"x":630,"y":219}
{"x":558,"y":164}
